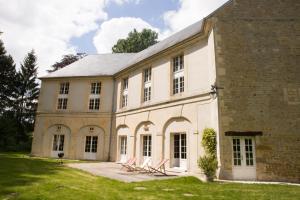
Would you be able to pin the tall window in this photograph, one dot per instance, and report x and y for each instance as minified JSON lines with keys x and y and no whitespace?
{"x":94,"y":103}
{"x":96,"y":88}
{"x":147,"y":84}
{"x":125,"y":92}
{"x":178,"y":74}
{"x":62,"y":101}
{"x":64,"y":88}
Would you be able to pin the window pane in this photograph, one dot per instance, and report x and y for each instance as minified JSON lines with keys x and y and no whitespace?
{"x":87,"y":143}
{"x":61,"y":142}
{"x":54,"y":147}
{"x":236,"y":152}
{"x":249,"y":152}
{"x":94,"y":144}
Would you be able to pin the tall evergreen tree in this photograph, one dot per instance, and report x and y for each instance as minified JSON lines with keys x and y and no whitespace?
{"x":28,"y":92}
{"x":7,"y":79}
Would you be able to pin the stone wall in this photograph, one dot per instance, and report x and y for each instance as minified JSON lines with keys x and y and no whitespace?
{"x":258,"y":63}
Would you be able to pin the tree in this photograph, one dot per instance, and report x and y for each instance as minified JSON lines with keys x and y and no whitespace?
{"x":136,"y":41}
{"x":7,"y":79}
{"x":66,"y":60}
{"x":28,"y":90}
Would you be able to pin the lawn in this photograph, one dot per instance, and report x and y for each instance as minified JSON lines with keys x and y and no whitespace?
{"x":22,"y":177}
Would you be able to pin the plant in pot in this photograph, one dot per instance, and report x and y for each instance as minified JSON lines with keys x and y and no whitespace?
{"x":208,"y":163}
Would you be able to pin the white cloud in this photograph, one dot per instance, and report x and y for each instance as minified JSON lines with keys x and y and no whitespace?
{"x":121,"y":2}
{"x":117,"y":28}
{"x":189,"y":12}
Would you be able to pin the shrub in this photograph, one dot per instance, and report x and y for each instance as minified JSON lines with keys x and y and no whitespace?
{"x":209,"y":141}
{"x":209,"y":165}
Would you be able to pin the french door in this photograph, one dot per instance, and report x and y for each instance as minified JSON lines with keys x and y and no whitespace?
{"x":244,"y":162}
{"x":179,"y":151}
{"x":123,"y":149}
{"x":91,"y":145}
{"x":147,"y":145}
{"x":57,"y":145}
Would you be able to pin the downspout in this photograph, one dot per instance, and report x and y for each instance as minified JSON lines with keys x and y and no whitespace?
{"x":111,"y":121}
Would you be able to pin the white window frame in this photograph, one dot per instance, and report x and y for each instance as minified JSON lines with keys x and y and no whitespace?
{"x":64,"y":88}
{"x":147,"y":145}
{"x":91,"y":144}
{"x":147,"y":73}
{"x":58,"y":142}
{"x":178,"y":74}
{"x":124,"y":101}
{"x":62,"y":103}
{"x":94,"y":103}
{"x":96,"y":88}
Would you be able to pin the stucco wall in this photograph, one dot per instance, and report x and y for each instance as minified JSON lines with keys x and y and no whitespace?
{"x":257,"y":59}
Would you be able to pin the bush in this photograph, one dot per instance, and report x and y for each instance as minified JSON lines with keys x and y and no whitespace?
{"x":209,"y":165}
{"x":209,"y":141}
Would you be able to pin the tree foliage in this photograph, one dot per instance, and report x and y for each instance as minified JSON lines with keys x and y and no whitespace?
{"x":7,"y":79}
{"x":66,"y":60}
{"x":136,"y":41}
{"x":208,"y":163}
{"x":27,"y":90}
{"x":18,"y":101}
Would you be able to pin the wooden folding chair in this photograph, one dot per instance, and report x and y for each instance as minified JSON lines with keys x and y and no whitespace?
{"x":129,"y":164}
{"x":144,"y":167}
{"x":160,"y":167}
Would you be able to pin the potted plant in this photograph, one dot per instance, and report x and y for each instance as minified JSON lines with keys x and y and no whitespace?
{"x":208,"y":163}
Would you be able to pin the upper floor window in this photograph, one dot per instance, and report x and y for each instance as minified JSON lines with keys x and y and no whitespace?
{"x":178,"y":64}
{"x":147,"y":75}
{"x":125,"y":84}
{"x":62,"y":103}
{"x":64,"y":88}
{"x":178,"y":74}
{"x":94,"y":104}
{"x":125,"y":92}
{"x":96,"y":88}
{"x":147,"y":84}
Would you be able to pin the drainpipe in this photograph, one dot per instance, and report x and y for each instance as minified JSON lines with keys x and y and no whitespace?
{"x":111,"y":121}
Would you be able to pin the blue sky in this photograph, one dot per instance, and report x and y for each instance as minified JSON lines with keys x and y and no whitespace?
{"x":54,"y":28}
{"x":149,"y":10}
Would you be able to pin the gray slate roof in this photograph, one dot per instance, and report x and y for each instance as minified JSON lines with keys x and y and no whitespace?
{"x":110,"y":64}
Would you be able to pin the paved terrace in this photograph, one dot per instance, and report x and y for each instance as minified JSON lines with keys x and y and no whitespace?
{"x":113,"y":171}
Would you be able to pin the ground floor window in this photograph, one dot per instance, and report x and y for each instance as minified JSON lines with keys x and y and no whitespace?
{"x":91,"y":143}
{"x":147,"y":145}
{"x":58,"y":142}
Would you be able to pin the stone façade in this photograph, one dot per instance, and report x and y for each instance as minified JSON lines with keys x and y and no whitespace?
{"x":257,"y":46}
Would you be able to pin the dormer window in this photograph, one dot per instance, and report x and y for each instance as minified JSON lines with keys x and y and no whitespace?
{"x":178,"y":74}
{"x":125,"y":92}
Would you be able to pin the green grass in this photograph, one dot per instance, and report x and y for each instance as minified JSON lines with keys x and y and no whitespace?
{"x":22,"y":177}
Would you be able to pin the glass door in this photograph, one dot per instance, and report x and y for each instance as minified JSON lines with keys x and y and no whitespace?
{"x":91,"y":144}
{"x":123,"y":149}
{"x":57,"y":145}
{"x":244,"y":166}
{"x":179,"y":151}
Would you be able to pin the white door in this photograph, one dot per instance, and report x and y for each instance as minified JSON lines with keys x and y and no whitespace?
{"x":244,"y":164}
{"x":179,"y":152}
{"x":123,"y":149}
{"x":147,"y":144}
{"x":91,"y":145}
{"x":57,"y":145}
